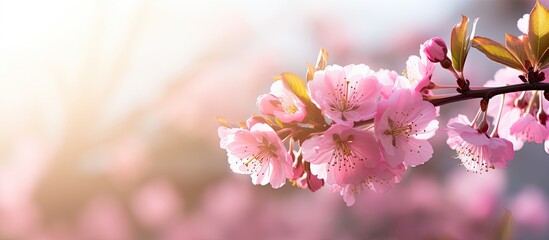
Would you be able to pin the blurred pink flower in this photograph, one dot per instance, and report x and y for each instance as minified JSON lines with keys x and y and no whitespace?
{"x":128,"y":160}
{"x":476,"y":151}
{"x":402,"y":124}
{"x":530,"y":209}
{"x":258,"y":152}
{"x":20,"y":172}
{"x":282,"y":103}
{"x":156,"y":204}
{"x":104,"y":219}
{"x":345,"y":94}
{"x":342,"y":155}
{"x":475,"y":196}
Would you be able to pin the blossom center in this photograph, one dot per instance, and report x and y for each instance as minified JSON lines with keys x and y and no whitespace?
{"x":264,"y":151}
{"x":343,"y":145}
{"x":343,"y":156}
{"x":345,"y":96}
{"x":396,"y":129}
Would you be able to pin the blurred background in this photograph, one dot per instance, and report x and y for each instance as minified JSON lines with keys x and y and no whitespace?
{"x":108,"y":131}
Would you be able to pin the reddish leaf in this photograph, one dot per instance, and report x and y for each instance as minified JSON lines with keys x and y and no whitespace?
{"x":538,"y":31}
{"x":496,"y":52}
{"x":519,"y":48}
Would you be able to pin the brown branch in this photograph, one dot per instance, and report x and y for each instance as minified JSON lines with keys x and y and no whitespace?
{"x":490,"y":92}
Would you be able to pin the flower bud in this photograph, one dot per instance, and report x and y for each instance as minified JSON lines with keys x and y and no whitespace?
{"x":435,"y":49}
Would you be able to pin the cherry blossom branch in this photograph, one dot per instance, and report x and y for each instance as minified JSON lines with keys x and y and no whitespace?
{"x":490,"y":92}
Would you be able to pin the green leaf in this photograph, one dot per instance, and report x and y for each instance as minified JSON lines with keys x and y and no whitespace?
{"x":296,"y":85}
{"x":538,"y":31}
{"x":458,"y":43}
{"x":520,"y":49}
{"x":502,"y":231}
{"x":496,"y":52}
{"x":544,"y":60}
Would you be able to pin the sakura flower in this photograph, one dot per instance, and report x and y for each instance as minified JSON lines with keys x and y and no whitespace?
{"x":402,"y":124}
{"x":258,"y":152}
{"x":515,"y":107}
{"x":282,"y":103}
{"x":419,"y":70}
{"x":345,"y":94}
{"x":503,"y":77}
{"x":528,"y":129}
{"x":504,"y":130}
{"x":379,"y":179}
{"x":522,"y":23}
{"x":390,"y":81}
{"x":476,"y":151}
{"x":342,"y":155}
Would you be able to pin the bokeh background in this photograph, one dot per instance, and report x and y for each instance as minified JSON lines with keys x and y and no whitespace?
{"x":108,"y":131}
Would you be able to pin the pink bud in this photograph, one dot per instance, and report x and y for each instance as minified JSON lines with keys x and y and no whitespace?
{"x":435,"y":49}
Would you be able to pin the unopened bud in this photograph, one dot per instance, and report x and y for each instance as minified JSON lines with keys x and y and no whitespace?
{"x":435,"y":49}
{"x":484,"y":104}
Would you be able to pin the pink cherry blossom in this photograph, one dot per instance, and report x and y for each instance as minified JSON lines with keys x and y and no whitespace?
{"x":345,"y":94}
{"x":257,"y":151}
{"x":503,"y":77}
{"x":515,"y":105}
{"x":528,"y":129}
{"x":522,"y":23}
{"x":342,"y":155}
{"x":419,"y":70}
{"x":504,"y":129}
{"x":379,"y":179}
{"x":282,"y":103}
{"x":402,"y":124}
{"x":390,"y":81}
{"x":476,"y":151}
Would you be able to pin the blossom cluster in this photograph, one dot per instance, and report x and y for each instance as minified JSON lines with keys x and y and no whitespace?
{"x":355,"y":129}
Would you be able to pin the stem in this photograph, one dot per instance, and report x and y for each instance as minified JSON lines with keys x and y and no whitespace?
{"x":500,"y":112}
{"x":540,"y":105}
{"x":530,"y":103}
{"x":491,"y":92}
{"x":456,"y":86}
{"x":474,"y":122}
